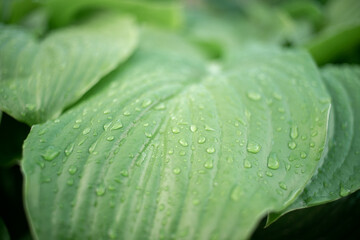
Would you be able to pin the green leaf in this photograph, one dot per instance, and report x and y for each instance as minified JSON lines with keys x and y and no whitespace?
{"x":164,"y":13}
{"x":175,"y":147}
{"x":40,"y":79}
{"x":341,"y":33}
{"x":337,"y":176}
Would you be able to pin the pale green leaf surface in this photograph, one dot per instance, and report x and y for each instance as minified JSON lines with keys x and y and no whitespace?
{"x":175,"y":147}
{"x":39,"y":79}
{"x":337,"y":177}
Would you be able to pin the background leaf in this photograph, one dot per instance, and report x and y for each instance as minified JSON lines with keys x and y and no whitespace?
{"x":341,"y":33}
{"x":163,"y":13}
{"x":337,"y":176}
{"x":176,"y":147}
{"x":39,"y":80}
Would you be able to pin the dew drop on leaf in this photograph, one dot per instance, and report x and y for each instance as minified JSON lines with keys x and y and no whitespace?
{"x":253,"y":147}
{"x":210,"y":150}
{"x":201,"y":140}
{"x":303,"y":155}
{"x":247,"y":164}
{"x":193,"y":128}
{"x":50,"y":154}
{"x":175,"y":130}
{"x":282,"y":185}
{"x":146,"y":103}
{"x":86,"y":131}
{"x":208,"y":164}
{"x":183,"y":142}
{"x":292,"y":145}
{"x":100,"y":190}
{"x":176,"y":171}
{"x":72,"y":170}
{"x":254,"y":96}
{"x":124,"y":173}
{"x":294,"y":132}
{"x":110,"y":138}
{"x":273,"y":161}
{"x":69,"y":149}
{"x":117,"y":125}
{"x":344,"y":192}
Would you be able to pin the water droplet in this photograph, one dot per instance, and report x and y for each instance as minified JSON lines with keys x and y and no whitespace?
{"x":176,"y":171}
{"x":161,"y":106}
{"x":273,"y":162}
{"x":282,"y":185}
{"x":117,"y":125}
{"x":193,"y":128}
{"x":146,"y":103}
{"x":288,"y":166}
{"x":70,"y":181}
{"x":76,"y":126}
{"x":268,"y":173}
{"x":124,"y":173}
{"x":72,"y":170}
{"x":201,"y":140}
{"x":183,"y":142}
{"x":314,"y":133}
{"x":171,"y":151}
{"x":182,"y":153}
{"x":312,"y":144}
{"x":175,"y":130}
{"x":86,"y":131}
{"x":292,"y":145}
{"x":236,"y":194}
{"x":344,"y":192}
{"x":207,"y":128}
{"x":247,"y":164}
{"x":92,"y":148}
{"x":254,"y":96}
{"x":148,"y":135}
{"x":210,"y":150}
{"x":278,"y":129}
{"x":107,"y":111}
{"x":253,"y":147}
{"x":208,"y":164}
{"x":294,"y":132}
{"x":100,"y":190}
{"x":50,"y":154}
{"x":303,"y":155}
{"x":110,"y":138}
{"x":69,"y":149}
{"x":106,"y":126}
{"x":127,"y":113}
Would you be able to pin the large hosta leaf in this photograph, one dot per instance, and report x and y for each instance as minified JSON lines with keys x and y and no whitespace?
{"x":337,"y":176}
{"x":39,"y":79}
{"x":175,"y":147}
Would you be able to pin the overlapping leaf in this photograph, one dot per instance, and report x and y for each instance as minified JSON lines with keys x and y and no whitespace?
{"x":164,"y":13}
{"x":39,"y":79}
{"x":175,"y":147}
{"x":337,"y":177}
